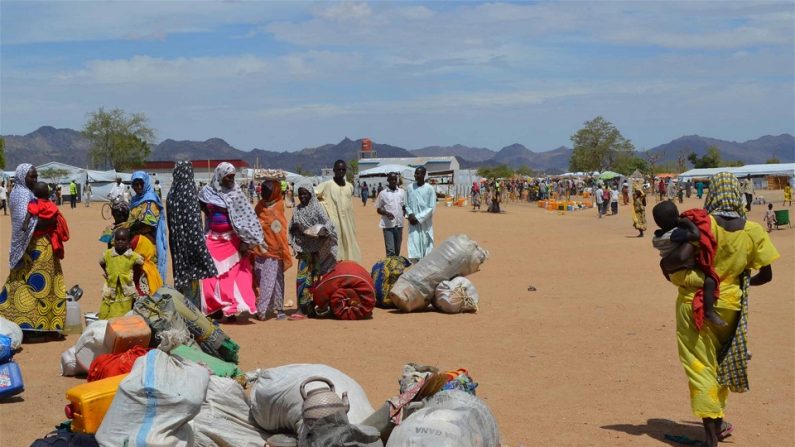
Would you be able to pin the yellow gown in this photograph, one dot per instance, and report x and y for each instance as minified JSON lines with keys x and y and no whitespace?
{"x":337,"y":201}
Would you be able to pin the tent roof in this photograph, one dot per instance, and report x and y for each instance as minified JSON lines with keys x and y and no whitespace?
{"x":786,"y":169}
{"x":380,"y":171}
{"x":79,"y":174}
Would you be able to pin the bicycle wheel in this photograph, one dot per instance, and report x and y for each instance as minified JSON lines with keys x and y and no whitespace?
{"x":106,"y":211}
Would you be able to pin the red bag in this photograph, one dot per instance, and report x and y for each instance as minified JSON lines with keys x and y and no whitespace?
{"x":348,"y":289}
{"x":109,"y":365}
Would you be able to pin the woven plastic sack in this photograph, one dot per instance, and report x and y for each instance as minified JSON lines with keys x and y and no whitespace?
{"x":385,"y":274}
{"x":225,"y":419}
{"x":12,"y":331}
{"x":69,"y":366}
{"x":457,"y":256}
{"x":456,"y":296}
{"x":154,"y":404}
{"x":90,"y":345}
{"x":450,"y":419}
{"x":276,"y":397}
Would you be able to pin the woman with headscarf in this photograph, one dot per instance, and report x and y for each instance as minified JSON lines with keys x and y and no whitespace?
{"x":714,"y":358}
{"x":314,"y":240}
{"x":190,"y":260}
{"x":233,"y":231}
{"x":269,"y":267}
{"x":148,"y":231}
{"x":639,"y":209}
{"x":475,"y":192}
{"x":34,"y":296}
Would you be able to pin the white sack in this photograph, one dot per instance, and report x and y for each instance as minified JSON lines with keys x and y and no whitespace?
{"x":456,"y":296}
{"x":154,"y":403}
{"x":225,"y":419}
{"x":69,"y":365}
{"x":450,"y":419}
{"x":457,"y":256}
{"x":276,"y":397}
{"x":12,"y":331}
{"x":90,"y":345}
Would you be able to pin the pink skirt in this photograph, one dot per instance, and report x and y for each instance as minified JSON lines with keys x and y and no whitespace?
{"x":232,"y":290}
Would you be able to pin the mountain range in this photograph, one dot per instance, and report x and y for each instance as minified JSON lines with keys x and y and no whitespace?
{"x":71,"y":147}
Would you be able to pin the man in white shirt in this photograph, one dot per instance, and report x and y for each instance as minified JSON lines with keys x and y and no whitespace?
{"x":391,"y":205}
{"x":599,"y":197}
{"x":4,"y":198}
{"x":116,"y":193}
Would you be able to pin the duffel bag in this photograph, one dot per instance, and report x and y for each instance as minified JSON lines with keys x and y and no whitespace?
{"x":348,"y":290}
{"x":385,"y":274}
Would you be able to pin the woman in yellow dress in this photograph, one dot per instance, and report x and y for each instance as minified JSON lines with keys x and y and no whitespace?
{"x":714,"y":359}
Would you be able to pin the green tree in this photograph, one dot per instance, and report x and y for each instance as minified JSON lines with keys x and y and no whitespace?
{"x":303,"y":172}
{"x":499,"y":171}
{"x":525,"y":171}
{"x":629,"y":162}
{"x":773,"y":161}
{"x":119,"y":140}
{"x":709,"y":160}
{"x":353,"y":170}
{"x":2,"y":153}
{"x":597,"y":146}
{"x":55,"y":174}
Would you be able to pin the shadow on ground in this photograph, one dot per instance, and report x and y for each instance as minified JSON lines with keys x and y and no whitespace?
{"x":658,"y":428}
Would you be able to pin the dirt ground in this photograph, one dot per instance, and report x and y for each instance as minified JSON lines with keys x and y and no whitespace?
{"x":588,"y":359}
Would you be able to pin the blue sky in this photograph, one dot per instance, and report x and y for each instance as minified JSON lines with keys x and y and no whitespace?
{"x":288,"y":75}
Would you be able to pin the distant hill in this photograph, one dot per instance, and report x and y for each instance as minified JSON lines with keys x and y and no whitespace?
{"x":69,"y":146}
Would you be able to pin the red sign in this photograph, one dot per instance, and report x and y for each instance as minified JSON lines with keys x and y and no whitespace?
{"x":367,"y":145}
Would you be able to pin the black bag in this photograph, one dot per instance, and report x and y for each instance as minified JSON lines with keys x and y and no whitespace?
{"x":62,"y":437}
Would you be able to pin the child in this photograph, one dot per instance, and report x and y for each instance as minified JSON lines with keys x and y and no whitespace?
{"x":119,"y":263}
{"x":770,"y":217}
{"x":121,"y":213}
{"x":269,"y":267}
{"x":43,"y":208}
{"x":674,"y":238}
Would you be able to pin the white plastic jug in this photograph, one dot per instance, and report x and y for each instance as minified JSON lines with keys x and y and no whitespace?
{"x":73,"y":325}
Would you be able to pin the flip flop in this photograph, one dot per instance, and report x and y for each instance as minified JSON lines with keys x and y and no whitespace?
{"x":296,"y":317}
{"x":726,"y":430}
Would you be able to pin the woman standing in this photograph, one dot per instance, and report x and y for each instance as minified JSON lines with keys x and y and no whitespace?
{"x":233,"y":231}
{"x":34,"y":296}
{"x":190,"y":260}
{"x":314,"y":241}
{"x":475,"y":192}
{"x":714,"y":358}
{"x":269,"y":267}
{"x":639,"y":210}
{"x":148,"y":234}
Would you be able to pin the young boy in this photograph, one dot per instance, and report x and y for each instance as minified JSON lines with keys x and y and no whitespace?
{"x":43,"y":208}
{"x":770,"y":217}
{"x":118,"y":264}
{"x":675,"y":238}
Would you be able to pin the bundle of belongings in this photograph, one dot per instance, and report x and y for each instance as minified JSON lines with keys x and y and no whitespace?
{"x":438,"y":278}
{"x":11,"y":383}
{"x":346,"y":292}
{"x":385,"y":274}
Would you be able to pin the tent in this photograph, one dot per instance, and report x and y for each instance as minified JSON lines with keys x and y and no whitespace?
{"x":607,"y":175}
{"x":764,"y":170}
{"x":101,"y":181}
{"x":383,"y":170}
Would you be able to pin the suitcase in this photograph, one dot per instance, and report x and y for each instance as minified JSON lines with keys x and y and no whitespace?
{"x":125,"y":332}
{"x":217,"y":366}
{"x":89,"y":402}
{"x":11,"y":382}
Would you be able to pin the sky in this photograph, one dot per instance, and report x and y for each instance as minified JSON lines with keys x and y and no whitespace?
{"x":289,"y":75}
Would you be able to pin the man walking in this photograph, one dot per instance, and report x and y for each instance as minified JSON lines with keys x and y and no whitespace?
{"x":420,"y":204}
{"x":116,"y":193}
{"x":87,"y":194}
{"x":748,"y":190}
{"x":335,"y":195}
{"x":391,"y":205}
{"x":72,"y":194}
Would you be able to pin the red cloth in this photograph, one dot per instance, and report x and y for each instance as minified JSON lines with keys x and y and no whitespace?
{"x":58,"y":233}
{"x":348,"y":289}
{"x":109,"y":365}
{"x":704,"y":259}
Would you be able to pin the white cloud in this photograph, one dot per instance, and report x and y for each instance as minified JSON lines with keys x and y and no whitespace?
{"x":346,"y":12}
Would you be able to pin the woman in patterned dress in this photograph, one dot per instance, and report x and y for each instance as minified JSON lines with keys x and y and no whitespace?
{"x":148,"y":231}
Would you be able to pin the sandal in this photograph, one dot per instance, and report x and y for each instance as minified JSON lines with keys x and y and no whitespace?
{"x":297,"y":317}
{"x":726,"y":430}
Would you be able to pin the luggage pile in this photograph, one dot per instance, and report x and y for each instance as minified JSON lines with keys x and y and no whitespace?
{"x":346,"y":292}
{"x":439,"y":278}
{"x":11,"y":382}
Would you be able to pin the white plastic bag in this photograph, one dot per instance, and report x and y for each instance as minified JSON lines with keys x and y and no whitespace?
{"x":69,"y":366}
{"x":276,"y":397}
{"x":457,"y":256}
{"x":12,"y":331}
{"x":154,"y":404}
{"x":90,"y":345}
{"x":450,"y":419}
{"x":456,"y":296}
{"x":225,"y":419}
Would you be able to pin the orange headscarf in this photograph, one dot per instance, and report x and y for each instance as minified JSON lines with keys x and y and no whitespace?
{"x":270,"y":213}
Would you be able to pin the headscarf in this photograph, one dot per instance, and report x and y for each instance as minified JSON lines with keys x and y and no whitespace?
{"x":725,"y":196}
{"x":241,"y":215}
{"x":149,"y":195}
{"x":190,"y":258}
{"x":475,"y":187}
{"x":270,"y":213}
{"x":18,"y":201}
{"x":308,"y":216}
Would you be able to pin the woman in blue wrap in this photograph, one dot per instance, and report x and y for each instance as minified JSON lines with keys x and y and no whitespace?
{"x":148,"y":230}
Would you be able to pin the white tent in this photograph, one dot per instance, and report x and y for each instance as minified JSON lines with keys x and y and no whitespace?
{"x":383,"y":170}
{"x":101,"y":181}
{"x":780,"y":169}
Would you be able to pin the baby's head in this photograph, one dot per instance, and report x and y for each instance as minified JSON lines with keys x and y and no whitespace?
{"x":41,"y":190}
{"x":666,"y":216}
{"x":121,"y":240}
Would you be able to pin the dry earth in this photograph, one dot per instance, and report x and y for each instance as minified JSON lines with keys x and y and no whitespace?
{"x":589,"y":359}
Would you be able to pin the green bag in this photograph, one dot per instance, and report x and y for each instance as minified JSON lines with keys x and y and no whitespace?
{"x":217,"y":366}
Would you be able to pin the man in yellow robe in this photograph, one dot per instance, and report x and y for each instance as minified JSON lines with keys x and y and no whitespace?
{"x":335,"y":195}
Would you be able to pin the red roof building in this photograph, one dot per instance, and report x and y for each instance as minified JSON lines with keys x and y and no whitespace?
{"x":152,"y":166}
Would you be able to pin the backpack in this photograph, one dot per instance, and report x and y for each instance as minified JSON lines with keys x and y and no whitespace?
{"x":606,"y":195}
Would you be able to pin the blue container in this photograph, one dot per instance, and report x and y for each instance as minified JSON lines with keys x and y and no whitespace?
{"x":10,"y":380}
{"x":6,"y":352}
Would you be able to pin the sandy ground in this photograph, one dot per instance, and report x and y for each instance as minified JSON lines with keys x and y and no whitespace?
{"x":587,"y":359}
